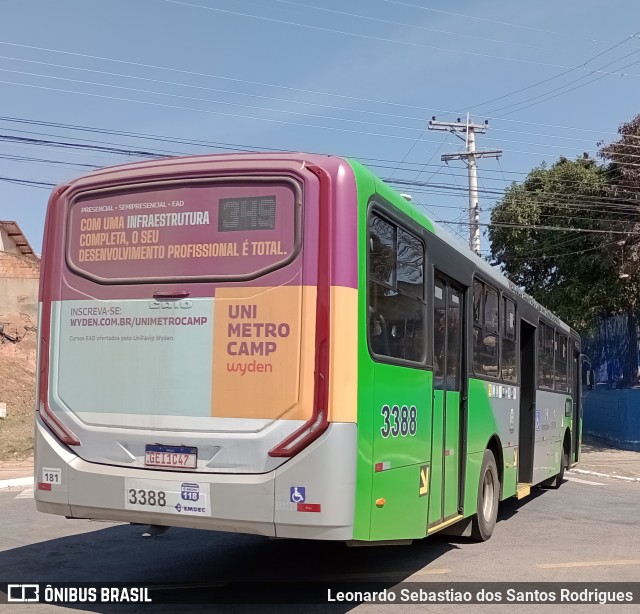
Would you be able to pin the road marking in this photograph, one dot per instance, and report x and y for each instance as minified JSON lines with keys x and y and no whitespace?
{"x":606,"y":475}
{"x":430,"y":572}
{"x":25,"y":494}
{"x":385,"y":575}
{"x":587,"y":564}
{"x":16,"y":482}
{"x":581,"y":481}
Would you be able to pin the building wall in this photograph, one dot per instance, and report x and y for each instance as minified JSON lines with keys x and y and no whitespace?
{"x":18,"y":266}
{"x":7,"y":244}
{"x":613,"y":417}
{"x":19,"y":279}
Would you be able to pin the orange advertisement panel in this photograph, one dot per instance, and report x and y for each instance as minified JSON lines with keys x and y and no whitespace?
{"x":263,"y":352}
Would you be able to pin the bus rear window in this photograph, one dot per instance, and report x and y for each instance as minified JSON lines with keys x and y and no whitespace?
{"x":184,"y":231}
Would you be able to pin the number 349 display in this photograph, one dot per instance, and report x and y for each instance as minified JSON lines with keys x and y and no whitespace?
{"x":401,"y":421}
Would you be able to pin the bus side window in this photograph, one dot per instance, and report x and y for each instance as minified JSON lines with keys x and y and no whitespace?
{"x":396,"y":292}
{"x":477,"y":302}
{"x":545,"y":356}
{"x":485,"y":330}
{"x":439,"y":335}
{"x":561,"y":362}
{"x":509,"y":364}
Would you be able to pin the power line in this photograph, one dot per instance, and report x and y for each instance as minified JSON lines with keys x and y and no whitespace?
{"x":365,"y":36}
{"x":233,"y":92}
{"x":562,"y":254}
{"x":546,"y":96}
{"x":539,"y":227}
{"x":14,"y":158}
{"x":274,"y":85}
{"x":616,"y":205}
{"x":28,"y":183}
{"x":208,"y":100}
{"x":210,"y":111}
{"x":200,"y":87}
{"x":485,"y":19}
{"x":240,"y":116}
{"x":235,"y":115}
{"x":522,"y":89}
{"x":410,"y":25}
{"x":40,"y":184}
{"x":132,"y":151}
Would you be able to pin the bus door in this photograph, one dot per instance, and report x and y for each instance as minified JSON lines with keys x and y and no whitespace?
{"x":526,"y":436}
{"x":447,"y":368}
{"x":577,"y":407}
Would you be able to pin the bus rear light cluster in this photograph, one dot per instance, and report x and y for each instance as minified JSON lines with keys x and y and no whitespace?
{"x":64,"y":434}
{"x":57,"y":428}
{"x":319,"y":421}
{"x":302,"y":437}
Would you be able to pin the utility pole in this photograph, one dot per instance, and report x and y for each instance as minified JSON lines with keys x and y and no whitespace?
{"x":470,"y":156}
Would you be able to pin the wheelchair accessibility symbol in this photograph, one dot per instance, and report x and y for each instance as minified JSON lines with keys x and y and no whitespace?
{"x":297,"y":494}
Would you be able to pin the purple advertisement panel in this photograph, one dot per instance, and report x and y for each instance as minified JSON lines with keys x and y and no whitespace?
{"x":197,"y":231}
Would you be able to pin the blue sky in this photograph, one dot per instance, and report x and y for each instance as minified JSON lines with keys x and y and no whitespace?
{"x":352,"y":77}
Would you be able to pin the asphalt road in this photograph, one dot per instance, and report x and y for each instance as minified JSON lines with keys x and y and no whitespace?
{"x":588,"y":530}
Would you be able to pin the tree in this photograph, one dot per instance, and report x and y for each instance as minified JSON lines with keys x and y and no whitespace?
{"x":623,"y":166}
{"x":537,"y":236}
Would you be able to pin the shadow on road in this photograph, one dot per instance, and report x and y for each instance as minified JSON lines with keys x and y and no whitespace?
{"x":212,"y":560}
{"x":224,"y":564}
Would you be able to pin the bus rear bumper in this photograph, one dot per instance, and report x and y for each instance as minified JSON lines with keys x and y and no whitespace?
{"x":309,"y":497}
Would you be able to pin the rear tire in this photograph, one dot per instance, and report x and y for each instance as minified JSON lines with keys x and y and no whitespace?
{"x":488,"y":495}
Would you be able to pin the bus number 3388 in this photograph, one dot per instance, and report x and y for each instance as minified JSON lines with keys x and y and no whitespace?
{"x":401,"y":421}
{"x":147,"y":497}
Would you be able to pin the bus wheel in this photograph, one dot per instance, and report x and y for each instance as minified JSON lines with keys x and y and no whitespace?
{"x":488,"y":494}
{"x":556,"y":480}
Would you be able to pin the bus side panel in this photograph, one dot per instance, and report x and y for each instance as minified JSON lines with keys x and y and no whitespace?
{"x":401,"y":447}
{"x":364,"y":464}
{"x":314,"y":491}
{"x":493,"y":410}
{"x":481,"y":425}
{"x":550,"y":428}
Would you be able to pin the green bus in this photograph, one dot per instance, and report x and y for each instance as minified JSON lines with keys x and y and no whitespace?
{"x":281,"y":344}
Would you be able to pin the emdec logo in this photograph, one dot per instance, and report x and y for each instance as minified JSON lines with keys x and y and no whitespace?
{"x":23,"y":593}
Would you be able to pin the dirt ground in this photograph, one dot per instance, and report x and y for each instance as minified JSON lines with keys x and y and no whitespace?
{"x":17,"y":386}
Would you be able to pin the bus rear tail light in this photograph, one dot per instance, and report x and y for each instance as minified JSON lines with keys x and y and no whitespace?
{"x":48,"y":417}
{"x":319,"y":421}
{"x":59,"y":430}
{"x":301,"y":438}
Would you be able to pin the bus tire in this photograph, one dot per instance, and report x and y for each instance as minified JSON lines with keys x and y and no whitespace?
{"x":488,"y":495}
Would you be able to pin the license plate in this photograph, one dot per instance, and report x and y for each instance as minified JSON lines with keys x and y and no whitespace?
{"x":171,"y":457}
{"x":167,"y":497}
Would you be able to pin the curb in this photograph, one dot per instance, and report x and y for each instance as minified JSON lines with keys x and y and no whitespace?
{"x":15,"y":482}
{"x":605,"y":475}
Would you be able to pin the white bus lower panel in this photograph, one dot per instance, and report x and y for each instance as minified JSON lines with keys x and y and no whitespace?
{"x":309,"y":497}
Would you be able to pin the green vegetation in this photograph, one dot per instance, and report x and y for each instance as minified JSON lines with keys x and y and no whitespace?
{"x":578,"y":275}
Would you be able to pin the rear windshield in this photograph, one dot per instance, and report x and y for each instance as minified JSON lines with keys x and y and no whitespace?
{"x":196,"y":231}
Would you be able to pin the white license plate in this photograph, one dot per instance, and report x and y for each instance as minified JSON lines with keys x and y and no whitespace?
{"x":171,"y":457}
{"x":167,"y":497}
